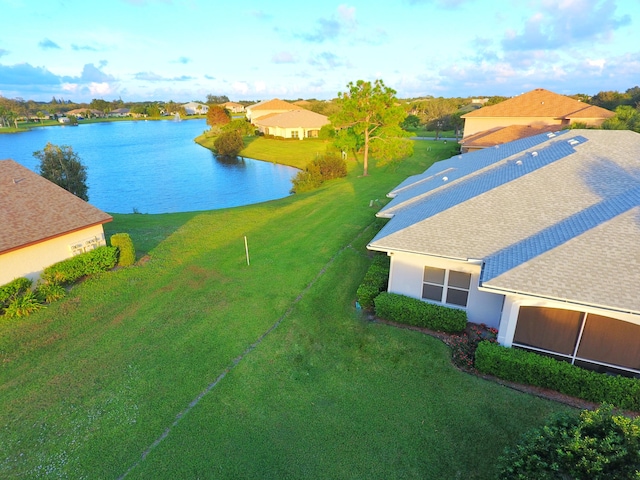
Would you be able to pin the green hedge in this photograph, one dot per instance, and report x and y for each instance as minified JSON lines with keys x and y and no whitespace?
{"x":374,"y":282}
{"x":68,"y":271}
{"x":530,"y":368}
{"x":411,"y":311}
{"x":127,"y":253}
{"x":10,"y":291}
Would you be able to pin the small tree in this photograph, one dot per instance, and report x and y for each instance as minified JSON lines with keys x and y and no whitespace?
{"x":62,"y":166}
{"x":217,"y":116}
{"x":229,"y":144}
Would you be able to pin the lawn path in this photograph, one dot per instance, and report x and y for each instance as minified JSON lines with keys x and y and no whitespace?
{"x":239,"y":358}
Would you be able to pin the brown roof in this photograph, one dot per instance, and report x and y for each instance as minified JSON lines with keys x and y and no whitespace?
{"x":500,"y":135}
{"x":275,"y":104}
{"x":540,"y":103}
{"x":33,"y":209}
{"x":295,"y":118}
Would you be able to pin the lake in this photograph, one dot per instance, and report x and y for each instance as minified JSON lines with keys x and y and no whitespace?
{"x":154,"y":166}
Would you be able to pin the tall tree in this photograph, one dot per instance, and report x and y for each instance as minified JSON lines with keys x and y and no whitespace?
{"x":62,"y":166}
{"x":371,"y":111}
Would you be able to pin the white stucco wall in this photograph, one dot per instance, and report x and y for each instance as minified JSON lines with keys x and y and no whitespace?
{"x":31,"y":261}
{"x":406,"y":278}
{"x":513,"y":302}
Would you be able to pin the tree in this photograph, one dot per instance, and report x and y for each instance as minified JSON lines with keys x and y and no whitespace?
{"x":372,"y":112}
{"x":217,"y":116}
{"x":595,"y":445}
{"x":62,"y":166}
{"x":626,"y":118}
{"x":229,"y":144}
{"x":215,"y":99}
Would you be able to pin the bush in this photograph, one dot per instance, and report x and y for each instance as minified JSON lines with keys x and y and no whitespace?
{"x":68,"y":271}
{"x":126,"y":251}
{"x":596,"y":445}
{"x":49,"y":292}
{"x":23,"y":305}
{"x":411,"y":311}
{"x":374,"y":282}
{"x":229,"y":144}
{"x":463,"y":346}
{"x":530,"y":368}
{"x":12,"y":290}
{"x":325,"y":167}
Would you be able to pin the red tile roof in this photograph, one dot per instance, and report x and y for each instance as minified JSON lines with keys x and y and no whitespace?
{"x":540,"y":103}
{"x":33,"y":209}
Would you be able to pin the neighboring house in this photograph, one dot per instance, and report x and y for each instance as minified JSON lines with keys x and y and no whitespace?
{"x":538,"y":237}
{"x":195,"y":108}
{"x":120,"y":112}
{"x":294,"y":124}
{"x":269,"y":107}
{"x":233,"y":107}
{"x":540,"y":110}
{"x":41,"y":223}
{"x":86,"y":113}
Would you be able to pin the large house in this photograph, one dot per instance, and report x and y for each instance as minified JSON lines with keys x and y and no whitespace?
{"x":293,"y":124}
{"x":41,"y":223}
{"x":269,"y":107}
{"x":538,"y":237}
{"x":531,"y":113}
{"x":195,"y":108}
{"x":233,"y":107}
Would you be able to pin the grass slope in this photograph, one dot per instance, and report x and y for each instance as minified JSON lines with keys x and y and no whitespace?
{"x":89,"y":385}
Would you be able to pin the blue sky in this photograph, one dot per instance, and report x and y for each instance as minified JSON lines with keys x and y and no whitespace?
{"x":182,"y":50}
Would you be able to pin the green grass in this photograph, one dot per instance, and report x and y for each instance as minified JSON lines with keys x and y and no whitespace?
{"x":295,"y":153}
{"x":90,"y":384}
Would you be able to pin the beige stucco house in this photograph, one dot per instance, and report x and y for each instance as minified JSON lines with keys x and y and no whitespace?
{"x":233,"y":107}
{"x":269,"y":107}
{"x":293,"y":124}
{"x":531,"y":113}
{"x":195,"y":108}
{"x":41,"y":223}
{"x":537,"y":237}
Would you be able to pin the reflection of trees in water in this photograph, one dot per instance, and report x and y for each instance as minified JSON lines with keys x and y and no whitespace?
{"x":230,"y":161}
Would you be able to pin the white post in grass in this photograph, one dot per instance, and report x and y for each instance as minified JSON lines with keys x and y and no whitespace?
{"x":246,"y":248}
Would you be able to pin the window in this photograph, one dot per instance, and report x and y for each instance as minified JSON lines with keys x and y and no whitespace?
{"x":446,"y":286}
{"x":294,"y":133}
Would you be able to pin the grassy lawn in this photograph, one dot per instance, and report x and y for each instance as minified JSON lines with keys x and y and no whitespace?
{"x":197,"y":365}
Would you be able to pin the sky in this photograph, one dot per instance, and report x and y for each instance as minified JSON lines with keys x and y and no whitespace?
{"x":183,"y":50}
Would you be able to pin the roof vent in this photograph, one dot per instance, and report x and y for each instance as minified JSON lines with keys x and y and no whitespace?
{"x":573,"y":141}
{"x":551,"y":134}
{"x":534,"y":154}
{"x":444,"y":179}
{"x":519,"y":162}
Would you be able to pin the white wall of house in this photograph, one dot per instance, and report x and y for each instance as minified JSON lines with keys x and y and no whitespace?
{"x":31,"y":261}
{"x":406,"y":278}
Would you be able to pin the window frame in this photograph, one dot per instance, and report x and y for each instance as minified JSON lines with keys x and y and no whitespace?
{"x":433,"y":284}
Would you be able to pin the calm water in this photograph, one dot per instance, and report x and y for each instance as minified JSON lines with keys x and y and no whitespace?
{"x":154,"y":167}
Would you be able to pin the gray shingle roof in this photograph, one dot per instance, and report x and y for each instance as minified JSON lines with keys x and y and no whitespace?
{"x":563,"y":222}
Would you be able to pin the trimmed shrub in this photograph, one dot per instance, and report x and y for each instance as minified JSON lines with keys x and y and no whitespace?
{"x":10,"y":291}
{"x":411,"y":311}
{"x":23,"y":305}
{"x":126,"y":250}
{"x":68,"y":271}
{"x":597,"y":445}
{"x":529,"y":368}
{"x":374,"y":282}
{"x":49,"y":292}
{"x":325,"y":167}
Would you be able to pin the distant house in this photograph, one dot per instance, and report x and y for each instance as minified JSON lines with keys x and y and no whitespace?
{"x":292,"y":124}
{"x":41,"y":223}
{"x":531,"y":113}
{"x":86,"y":113}
{"x":269,"y":107}
{"x":195,"y":108}
{"x":120,"y":112}
{"x":233,"y":107}
{"x":537,"y":237}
